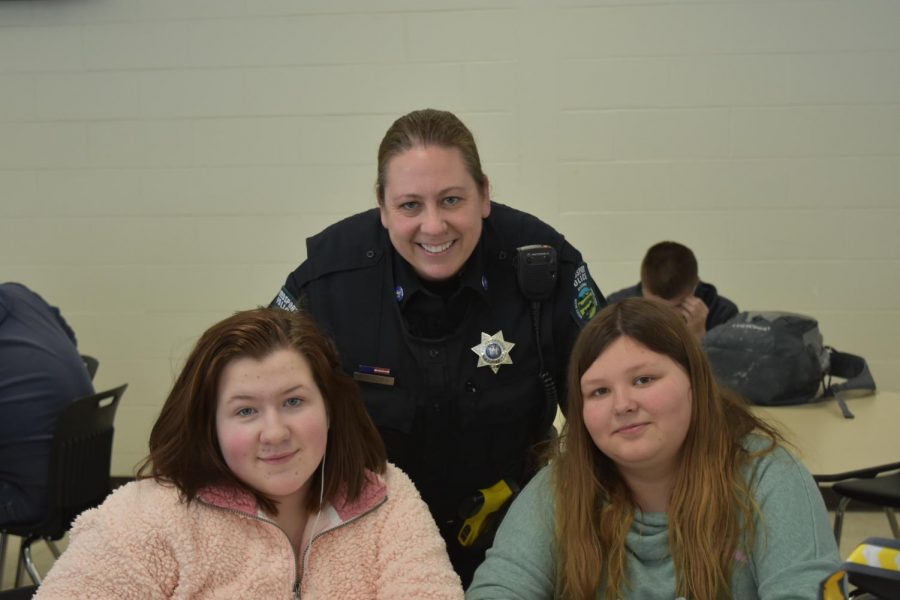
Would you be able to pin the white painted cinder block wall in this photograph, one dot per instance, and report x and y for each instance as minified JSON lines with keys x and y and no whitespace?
{"x":162,"y":161}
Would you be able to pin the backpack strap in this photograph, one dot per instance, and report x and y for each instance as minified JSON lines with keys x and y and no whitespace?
{"x":854,"y":369}
{"x":851,"y":367}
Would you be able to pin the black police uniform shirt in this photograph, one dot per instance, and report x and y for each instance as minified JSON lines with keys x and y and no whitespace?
{"x":453,"y":426}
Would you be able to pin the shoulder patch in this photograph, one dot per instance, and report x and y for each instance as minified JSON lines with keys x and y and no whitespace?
{"x":284,"y":301}
{"x":586,"y":299}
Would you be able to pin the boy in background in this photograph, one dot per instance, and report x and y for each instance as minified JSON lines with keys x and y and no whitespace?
{"x":669,"y":274}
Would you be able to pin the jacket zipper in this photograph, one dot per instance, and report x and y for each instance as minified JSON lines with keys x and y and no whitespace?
{"x":295,"y":588}
{"x":329,"y":530}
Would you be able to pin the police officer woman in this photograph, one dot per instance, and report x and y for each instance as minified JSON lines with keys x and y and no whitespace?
{"x":456,"y":315}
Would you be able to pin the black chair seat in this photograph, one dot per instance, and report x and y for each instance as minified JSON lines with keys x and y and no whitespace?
{"x":883,"y":491}
{"x":876,"y":485}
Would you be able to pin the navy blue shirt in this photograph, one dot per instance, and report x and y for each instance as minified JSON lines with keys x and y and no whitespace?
{"x":720,"y":308}
{"x":41,"y":372}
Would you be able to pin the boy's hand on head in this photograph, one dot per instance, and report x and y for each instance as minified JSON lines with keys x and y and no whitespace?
{"x":694,"y":311}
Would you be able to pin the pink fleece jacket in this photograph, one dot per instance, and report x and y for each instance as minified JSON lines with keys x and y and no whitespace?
{"x":144,"y":542}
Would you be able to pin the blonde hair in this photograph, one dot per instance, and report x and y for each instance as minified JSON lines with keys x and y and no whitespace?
{"x":428,"y":127}
{"x":711,"y":511}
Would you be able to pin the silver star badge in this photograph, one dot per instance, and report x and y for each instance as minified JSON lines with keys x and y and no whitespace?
{"x":493,"y":351}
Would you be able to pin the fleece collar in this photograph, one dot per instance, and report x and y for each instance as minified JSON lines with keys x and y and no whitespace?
{"x":238,"y":499}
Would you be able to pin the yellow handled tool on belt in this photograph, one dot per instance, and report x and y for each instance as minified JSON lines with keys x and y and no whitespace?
{"x":874,"y":568}
{"x":480,"y":508}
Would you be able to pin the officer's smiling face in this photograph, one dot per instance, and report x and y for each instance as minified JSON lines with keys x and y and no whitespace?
{"x":433,"y":210}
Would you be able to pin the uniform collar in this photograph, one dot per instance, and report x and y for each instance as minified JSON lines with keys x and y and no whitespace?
{"x":407,"y":283}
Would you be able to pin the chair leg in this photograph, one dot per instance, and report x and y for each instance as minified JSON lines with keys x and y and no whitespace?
{"x":53,"y":547}
{"x":4,"y":539}
{"x":26,"y":562}
{"x":892,"y":519}
{"x":839,"y":518}
{"x":19,"y":563}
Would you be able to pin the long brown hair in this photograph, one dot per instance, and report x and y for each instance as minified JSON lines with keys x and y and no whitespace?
{"x":711,"y":510}
{"x":184,"y":446}
{"x":428,"y":127}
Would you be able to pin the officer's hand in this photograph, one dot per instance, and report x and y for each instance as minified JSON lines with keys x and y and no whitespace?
{"x":694,"y":311}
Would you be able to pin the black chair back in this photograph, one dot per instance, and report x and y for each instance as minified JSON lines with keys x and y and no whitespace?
{"x":80,"y":460}
{"x":91,"y":364}
{"x":78,"y":476}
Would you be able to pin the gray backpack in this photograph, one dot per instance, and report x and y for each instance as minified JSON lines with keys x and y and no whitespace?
{"x":779,"y":358}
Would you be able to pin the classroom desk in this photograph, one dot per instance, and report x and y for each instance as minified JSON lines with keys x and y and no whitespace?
{"x":833,"y":447}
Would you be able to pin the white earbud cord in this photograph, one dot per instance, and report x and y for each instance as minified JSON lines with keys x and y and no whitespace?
{"x":319,"y":513}
{"x":321,"y":498}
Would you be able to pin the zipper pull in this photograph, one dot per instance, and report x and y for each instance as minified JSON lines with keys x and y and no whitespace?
{"x":297,"y":589}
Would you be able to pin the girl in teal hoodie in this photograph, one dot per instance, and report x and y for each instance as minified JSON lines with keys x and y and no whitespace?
{"x":664,"y":486}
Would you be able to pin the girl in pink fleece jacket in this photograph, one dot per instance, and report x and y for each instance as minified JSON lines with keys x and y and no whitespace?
{"x":265,"y":479}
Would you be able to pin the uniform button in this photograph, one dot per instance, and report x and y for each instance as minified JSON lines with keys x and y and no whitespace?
{"x":502,"y":255}
{"x":370,"y":254}
{"x":434,"y":353}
